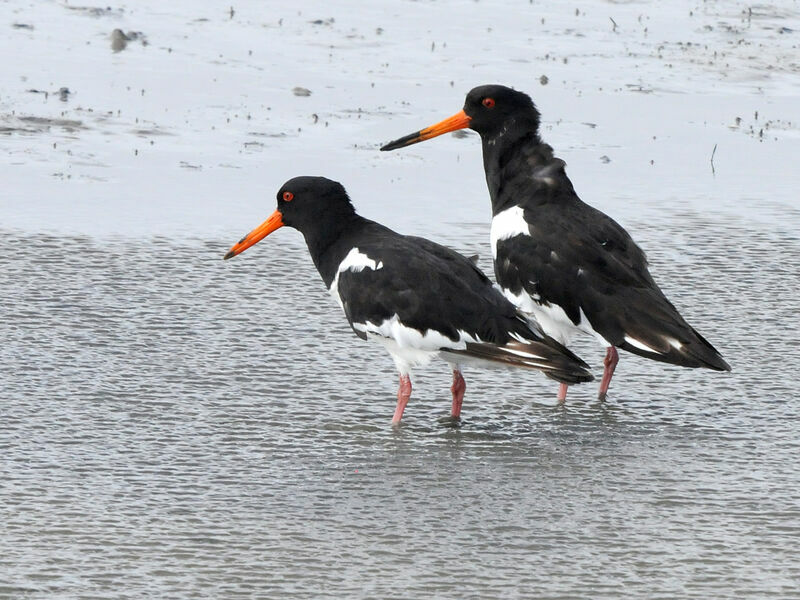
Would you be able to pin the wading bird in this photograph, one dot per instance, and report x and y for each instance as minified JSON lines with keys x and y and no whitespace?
{"x":563,"y":262}
{"x":416,"y":298}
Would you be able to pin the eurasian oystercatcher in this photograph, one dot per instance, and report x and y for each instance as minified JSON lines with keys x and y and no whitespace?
{"x":566,"y":263}
{"x":417,"y":298}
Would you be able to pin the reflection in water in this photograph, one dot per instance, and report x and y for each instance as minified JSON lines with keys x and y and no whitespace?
{"x":171,"y":422}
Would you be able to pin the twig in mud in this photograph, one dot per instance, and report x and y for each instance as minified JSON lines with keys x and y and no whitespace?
{"x":713,"y":152}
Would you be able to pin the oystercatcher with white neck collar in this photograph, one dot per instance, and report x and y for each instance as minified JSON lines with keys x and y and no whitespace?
{"x":416,"y":298}
{"x":565,"y":263}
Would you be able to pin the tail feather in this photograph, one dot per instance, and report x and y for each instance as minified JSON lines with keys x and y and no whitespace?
{"x":693,"y":353}
{"x":664,"y":335}
{"x":548,"y":356}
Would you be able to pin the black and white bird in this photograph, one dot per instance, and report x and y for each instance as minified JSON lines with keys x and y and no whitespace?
{"x":416,"y":298}
{"x":558,"y":259}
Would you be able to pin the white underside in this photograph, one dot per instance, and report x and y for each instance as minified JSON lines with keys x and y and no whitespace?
{"x":409,"y":347}
{"x":553,"y":320}
{"x":555,"y":323}
{"x":406,"y":358}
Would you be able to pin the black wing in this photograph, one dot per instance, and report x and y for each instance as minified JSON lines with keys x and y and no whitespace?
{"x":431,"y":287}
{"x":582,"y":260}
{"x":428,"y":287}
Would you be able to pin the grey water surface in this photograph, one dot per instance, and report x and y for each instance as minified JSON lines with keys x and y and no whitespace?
{"x":178,"y":426}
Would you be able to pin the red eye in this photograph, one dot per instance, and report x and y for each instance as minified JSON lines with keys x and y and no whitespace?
{"x":488,"y":102}
{"x":288,"y":196}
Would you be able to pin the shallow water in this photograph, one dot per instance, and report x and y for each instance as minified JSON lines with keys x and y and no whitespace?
{"x":172,"y":425}
{"x":178,"y":425}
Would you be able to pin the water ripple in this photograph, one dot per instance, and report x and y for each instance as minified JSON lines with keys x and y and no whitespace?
{"x":174,"y":424}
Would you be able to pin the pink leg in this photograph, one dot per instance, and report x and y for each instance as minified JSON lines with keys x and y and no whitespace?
{"x":403,"y":394}
{"x":458,"y":388}
{"x":610,"y":362}
{"x":562,"y":392}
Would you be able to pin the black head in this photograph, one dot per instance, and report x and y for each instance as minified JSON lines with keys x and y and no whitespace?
{"x":490,"y":110}
{"x":309,"y":204}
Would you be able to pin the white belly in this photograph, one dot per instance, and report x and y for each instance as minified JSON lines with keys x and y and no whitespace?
{"x":409,"y":347}
{"x":552,"y":318}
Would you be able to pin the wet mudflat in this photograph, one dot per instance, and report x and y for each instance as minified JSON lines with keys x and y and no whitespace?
{"x":175,"y":425}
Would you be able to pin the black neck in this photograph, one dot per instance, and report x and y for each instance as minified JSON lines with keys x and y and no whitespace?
{"x":330,"y":242}
{"x":517,"y":161}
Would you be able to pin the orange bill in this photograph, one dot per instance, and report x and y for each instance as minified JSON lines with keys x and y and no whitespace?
{"x":460,"y":120}
{"x":275,"y":221}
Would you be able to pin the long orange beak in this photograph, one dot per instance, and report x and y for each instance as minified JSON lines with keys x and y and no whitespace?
{"x":460,"y":120}
{"x":275,"y":221}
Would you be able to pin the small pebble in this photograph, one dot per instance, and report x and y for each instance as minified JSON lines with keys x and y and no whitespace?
{"x":119,"y":40}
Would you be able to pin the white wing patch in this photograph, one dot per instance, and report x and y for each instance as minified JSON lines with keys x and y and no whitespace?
{"x":675,"y":343}
{"x":507,"y":224}
{"x":642,"y":346}
{"x":355,"y":261}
